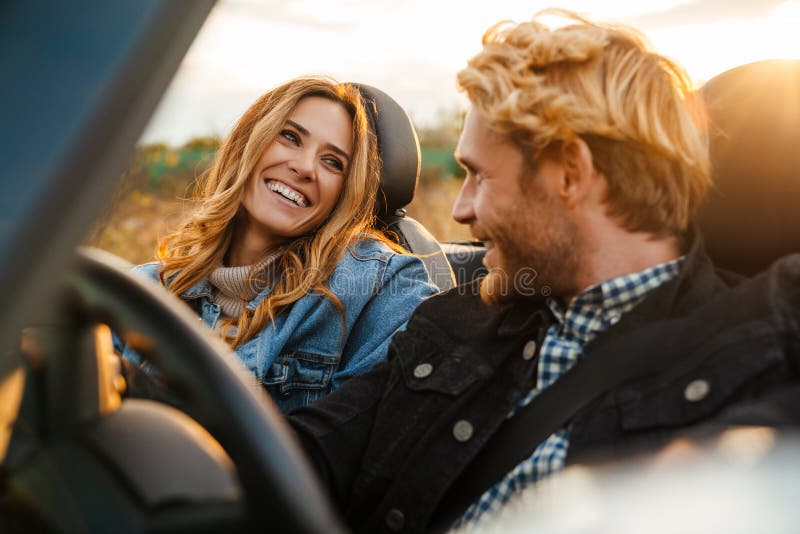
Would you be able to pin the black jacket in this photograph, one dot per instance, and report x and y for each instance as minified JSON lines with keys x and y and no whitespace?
{"x":386,"y":442}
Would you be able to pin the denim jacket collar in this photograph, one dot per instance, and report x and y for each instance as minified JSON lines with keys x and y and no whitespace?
{"x":200,"y":289}
{"x":258,"y":298}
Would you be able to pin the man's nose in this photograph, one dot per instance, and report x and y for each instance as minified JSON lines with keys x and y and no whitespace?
{"x":463,"y":211}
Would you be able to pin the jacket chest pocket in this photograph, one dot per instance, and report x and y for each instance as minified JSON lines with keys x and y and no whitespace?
{"x":692,"y":395}
{"x":295,"y":370}
{"x":449,"y":375}
{"x":428,"y":363}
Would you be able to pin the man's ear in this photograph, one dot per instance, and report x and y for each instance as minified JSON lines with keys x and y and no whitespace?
{"x":577,"y":180}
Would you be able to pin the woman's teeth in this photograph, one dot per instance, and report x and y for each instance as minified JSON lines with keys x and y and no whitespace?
{"x":288,"y":193}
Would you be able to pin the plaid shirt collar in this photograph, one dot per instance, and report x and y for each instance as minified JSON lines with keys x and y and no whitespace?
{"x":600,"y":306}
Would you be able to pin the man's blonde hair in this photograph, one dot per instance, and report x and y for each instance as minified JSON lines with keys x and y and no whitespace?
{"x":599,"y":82}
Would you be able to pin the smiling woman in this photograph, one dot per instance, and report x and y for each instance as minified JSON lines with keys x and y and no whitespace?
{"x":282,"y":200}
{"x":281,"y":257}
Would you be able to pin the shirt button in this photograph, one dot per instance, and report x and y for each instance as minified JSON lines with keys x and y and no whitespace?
{"x":529,"y":350}
{"x":462,"y":430}
{"x":697,"y":390}
{"x":423,"y":370}
{"x":395,"y":520}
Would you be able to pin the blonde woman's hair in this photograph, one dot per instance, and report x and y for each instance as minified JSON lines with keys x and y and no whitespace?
{"x":632,"y":107}
{"x":190,"y":254}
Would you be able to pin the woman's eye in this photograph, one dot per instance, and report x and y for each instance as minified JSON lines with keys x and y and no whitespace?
{"x":290,"y":136}
{"x":334,"y":163}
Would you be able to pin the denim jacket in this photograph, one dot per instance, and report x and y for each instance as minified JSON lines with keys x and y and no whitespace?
{"x":305,"y":354}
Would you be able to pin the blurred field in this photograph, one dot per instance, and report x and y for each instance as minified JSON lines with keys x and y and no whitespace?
{"x":154,"y":195}
{"x":433,"y":202}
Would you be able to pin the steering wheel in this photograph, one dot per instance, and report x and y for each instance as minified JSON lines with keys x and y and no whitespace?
{"x":221,"y":395}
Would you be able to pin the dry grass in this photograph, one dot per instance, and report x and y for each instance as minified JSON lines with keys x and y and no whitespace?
{"x":433,"y":202}
{"x":132,"y":228}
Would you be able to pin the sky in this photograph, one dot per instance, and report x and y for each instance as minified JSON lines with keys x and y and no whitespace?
{"x":412,"y":49}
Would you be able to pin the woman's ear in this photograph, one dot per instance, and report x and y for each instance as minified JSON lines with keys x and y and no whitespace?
{"x":578,"y":171}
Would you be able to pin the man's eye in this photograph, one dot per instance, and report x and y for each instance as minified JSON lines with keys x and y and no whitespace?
{"x":334,"y":163}
{"x":290,"y":136}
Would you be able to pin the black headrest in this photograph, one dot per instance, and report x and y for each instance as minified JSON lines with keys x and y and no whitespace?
{"x":398,"y":147}
{"x":752,"y":214}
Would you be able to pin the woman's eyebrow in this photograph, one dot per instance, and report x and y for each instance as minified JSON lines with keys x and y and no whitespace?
{"x":297,"y":127}
{"x":303,"y":131}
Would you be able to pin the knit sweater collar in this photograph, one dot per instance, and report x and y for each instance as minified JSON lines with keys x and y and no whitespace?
{"x":236,"y":286}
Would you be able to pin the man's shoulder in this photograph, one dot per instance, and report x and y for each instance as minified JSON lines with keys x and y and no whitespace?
{"x":786,"y":271}
{"x":774,"y":292}
{"x":456,"y":304}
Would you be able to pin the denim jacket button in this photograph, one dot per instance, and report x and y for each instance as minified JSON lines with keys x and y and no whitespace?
{"x":395,"y":520}
{"x":423,"y":370}
{"x":463,"y":430}
{"x":529,"y":350}
{"x":696,"y":390}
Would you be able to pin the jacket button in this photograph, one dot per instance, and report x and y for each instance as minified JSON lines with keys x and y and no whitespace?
{"x":529,"y":350}
{"x":395,"y":520}
{"x":423,"y":370}
{"x":697,"y":390}
{"x":462,"y":430}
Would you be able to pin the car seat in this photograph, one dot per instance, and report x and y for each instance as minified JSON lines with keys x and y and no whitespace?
{"x":398,"y":147}
{"x":751,"y":216}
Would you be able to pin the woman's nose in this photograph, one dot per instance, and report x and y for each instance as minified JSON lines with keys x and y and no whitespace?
{"x":303,"y":164}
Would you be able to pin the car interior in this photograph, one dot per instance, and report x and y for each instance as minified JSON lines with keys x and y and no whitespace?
{"x":750,"y":217}
{"x":77,"y":456}
{"x":400,"y":166}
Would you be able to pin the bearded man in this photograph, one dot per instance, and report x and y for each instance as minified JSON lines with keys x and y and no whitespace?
{"x":584,"y":168}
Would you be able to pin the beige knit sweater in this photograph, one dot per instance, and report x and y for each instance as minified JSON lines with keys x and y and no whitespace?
{"x":234,"y":287}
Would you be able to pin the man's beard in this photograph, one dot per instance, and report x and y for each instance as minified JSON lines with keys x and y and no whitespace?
{"x":495,"y":287}
{"x":544,"y":266}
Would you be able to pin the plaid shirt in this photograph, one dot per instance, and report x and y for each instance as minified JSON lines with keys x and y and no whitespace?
{"x":590,"y":313}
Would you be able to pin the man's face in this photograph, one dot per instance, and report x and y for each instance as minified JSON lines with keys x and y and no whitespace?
{"x":533,"y":245}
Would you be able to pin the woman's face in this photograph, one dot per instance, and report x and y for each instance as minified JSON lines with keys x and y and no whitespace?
{"x":298,"y":178}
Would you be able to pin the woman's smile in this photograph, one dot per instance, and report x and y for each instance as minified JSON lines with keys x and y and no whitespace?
{"x":287,"y":194}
